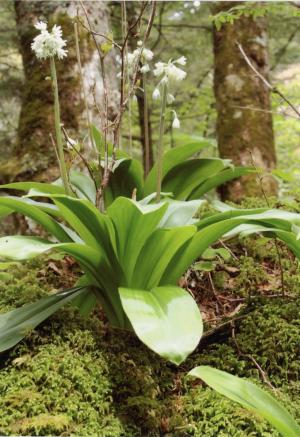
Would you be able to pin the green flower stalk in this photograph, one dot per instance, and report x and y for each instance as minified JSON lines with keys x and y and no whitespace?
{"x":59,"y":142}
{"x":48,"y":45}
{"x":170,"y":73}
{"x":160,"y":141}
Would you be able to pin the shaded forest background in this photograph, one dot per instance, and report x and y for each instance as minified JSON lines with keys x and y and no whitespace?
{"x":180,"y":28}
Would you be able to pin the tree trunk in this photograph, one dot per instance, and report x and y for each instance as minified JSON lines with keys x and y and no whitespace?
{"x":244,"y":135}
{"x":132,"y":14}
{"x":34,"y":155}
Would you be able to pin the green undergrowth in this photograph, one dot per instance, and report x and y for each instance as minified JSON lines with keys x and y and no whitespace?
{"x":75,"y":376}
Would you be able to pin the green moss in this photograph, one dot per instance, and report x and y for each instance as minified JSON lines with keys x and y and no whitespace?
{"x":76,"y":376}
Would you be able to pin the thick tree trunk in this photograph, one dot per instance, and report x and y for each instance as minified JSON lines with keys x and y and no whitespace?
{"x":34,"y":155}
{"x":244,"y":135}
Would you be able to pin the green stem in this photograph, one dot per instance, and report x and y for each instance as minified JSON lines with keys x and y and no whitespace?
{"x":59,"y":142}
{"x":146,"y":127}
{"x":160,"y":142}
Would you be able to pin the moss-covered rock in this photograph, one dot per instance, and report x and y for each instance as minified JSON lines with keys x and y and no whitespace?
{"x":76,"y":376}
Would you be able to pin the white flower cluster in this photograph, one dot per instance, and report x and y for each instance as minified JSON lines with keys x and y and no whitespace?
{"x":48,"y":44}
{"x":141,"y":55}
{"x":170,"y":74}
{"x":169,"y":70}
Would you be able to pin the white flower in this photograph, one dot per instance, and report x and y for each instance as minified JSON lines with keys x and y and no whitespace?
{"x":174,"y":74}
{"x":156,"y":94}
{"x":176,"y":122}
{"x":147,"y":54}
{"x":170,"y":99}
{"x":159,"y":68}
{"x":181,"y":60}
{"x":145,"y":68}
{"x":169,"y":71}
{"x":141,"y":55}
{"x":41,"y":25}
{"x":48,"y":44}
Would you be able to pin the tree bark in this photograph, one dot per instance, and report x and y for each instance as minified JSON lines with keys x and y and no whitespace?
{"x":133,"y":38}
{"x":244,"y":135}
{"x":34,"y":155}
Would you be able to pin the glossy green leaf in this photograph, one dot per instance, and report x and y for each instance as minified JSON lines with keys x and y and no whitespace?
{"x":185,"y":177}
{"x":202,"y":240}
{"x":16,"y":324}
{"x":92,"y":226}
{"x":83,"y":185}
{"x":156,"y":255}
{"x":38,"y":187}
{"x":218,"y":179}
{"x":4,"y":212}
{"x":22,"y":206}
{"x":94,"y":263}
{"x":172,"y":158}
{"x":133,"y":223}
{"x":166,"y":319}
{"x":180,"y":213}
{"x":249,"y":396}
{"x":125,"y":178}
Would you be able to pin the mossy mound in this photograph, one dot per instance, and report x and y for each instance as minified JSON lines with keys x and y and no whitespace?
{"x":75,"y":376}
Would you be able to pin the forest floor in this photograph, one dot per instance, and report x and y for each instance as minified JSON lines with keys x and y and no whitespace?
{"x":76,"y":376}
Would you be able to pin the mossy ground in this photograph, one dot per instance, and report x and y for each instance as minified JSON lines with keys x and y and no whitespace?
{"x":75,"y":376}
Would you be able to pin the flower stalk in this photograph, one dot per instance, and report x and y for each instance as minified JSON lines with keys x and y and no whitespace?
{"x":146,"y":127}
{"x":160,"y":140}
{"x":58,"y":133}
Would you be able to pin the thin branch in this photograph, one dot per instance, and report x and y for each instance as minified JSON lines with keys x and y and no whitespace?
{"x":92,"y":32}
{"x":266,"y":82}
{"x":260,"y":180}
{"x":80,"y":156}
{"x":250,"y":357}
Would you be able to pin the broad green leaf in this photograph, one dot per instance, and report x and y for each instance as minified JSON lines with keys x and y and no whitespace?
{"x":218,"y":179}
{"x":20,"y":248}
{"x":185,"y":177}
{"x":151,"y":197}
{"x":156,"y":255}
{"x":5,"y":211}
{"x":32,"y":211}
{"x":133,"y":223}
{"x":38,"y":187}
{"x":166,"y":319}
{"x":125,"y":178}
{"x":249,"y":396}
{"x":200,"y":242}
{"x":93,"y":262}
{"x":180,"y":213}
{"x":172,"y":158}
{"x":84,"y":186}
{"x":85,"y":303}
{"x":92,"y":226}
{"x":16,"y":324}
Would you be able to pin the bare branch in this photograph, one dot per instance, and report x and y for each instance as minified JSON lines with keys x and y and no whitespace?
{"x":273,"y":89}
